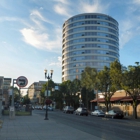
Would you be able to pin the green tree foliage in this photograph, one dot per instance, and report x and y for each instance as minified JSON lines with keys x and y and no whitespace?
{"x":26,"y":99}
{"x":104,"y":85}
{"x":131,"y":84}
{"x":88,"y":81}
{"x":47,"y":86}
{"x":16,"y":94}
{"x":109,"y":80}
{"x":68,"y":90}
{"x":116,"y":75}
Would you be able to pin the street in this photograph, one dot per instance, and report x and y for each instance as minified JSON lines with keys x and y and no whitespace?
{"x":105,"y":128}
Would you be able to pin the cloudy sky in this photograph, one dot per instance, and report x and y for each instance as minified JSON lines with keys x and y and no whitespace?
{"x":31,"y":33}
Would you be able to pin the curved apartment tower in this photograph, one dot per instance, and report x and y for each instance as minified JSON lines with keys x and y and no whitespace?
{"x":89,"y":40}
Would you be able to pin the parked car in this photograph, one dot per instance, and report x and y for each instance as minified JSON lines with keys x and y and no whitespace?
{"x":39,"y":107}
{"x":98,"y":113}
{"x":81,"y":111}
{"x":114,"y":114}
{"x":49,"y":108}
{"x":68,"y":109}
{"x":63,"y":109}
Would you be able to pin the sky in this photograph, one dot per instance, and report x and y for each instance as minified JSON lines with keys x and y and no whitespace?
{"x":31,"y":33}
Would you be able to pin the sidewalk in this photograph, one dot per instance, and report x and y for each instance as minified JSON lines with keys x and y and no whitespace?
{"x":36,"y":128}
{"x":131,"y":118}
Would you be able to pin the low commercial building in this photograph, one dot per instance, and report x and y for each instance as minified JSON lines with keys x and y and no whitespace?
{"x":119,"y":101}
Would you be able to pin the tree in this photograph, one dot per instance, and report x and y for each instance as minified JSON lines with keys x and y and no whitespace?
{"x":88,"y":82}
{"x":66,"y":89}
{"x":116,"y":70}
{"x":131,"y":84}
{"x":16,"y":94}
{"x":104,"y":85}
{"x":47,"y":86}
{"x":109,"y":80}
{"x":26,"y":99}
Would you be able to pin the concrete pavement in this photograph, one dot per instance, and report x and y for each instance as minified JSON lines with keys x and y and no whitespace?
{"x":36,"y":128}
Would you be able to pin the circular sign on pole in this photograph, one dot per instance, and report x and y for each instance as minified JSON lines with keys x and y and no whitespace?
{"x":22,"y":81}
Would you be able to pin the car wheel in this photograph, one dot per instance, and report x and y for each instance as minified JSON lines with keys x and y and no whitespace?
{"x":87,"y":115}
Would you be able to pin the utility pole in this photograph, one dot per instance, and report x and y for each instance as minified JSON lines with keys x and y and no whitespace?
{"x":12,"y":108}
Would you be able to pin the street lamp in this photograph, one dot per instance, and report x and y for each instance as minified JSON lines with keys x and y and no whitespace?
{"x":64,"y":102}
{"x":80,"y":100}
{"x":80,"y":96}
{"x":47,"y":76}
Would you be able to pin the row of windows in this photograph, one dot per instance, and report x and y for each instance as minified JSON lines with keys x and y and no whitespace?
{"x":72,"y":77}
{"x":91,"y":22}
{"x":68,"y":72}
{"x":92,"y":34}
{"x":87,"y":64}
{"x":91,"y":17}
{"x":91,"y":28}
{"x":102,"y":46}
{"x":74,"y":71}
{"x":69,"y":54}
{"x":90,"y":57}
{"x":92,"y":40}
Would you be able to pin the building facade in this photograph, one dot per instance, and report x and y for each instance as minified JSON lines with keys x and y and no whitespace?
{"x":89,"y":40}
{"x":5,"y":84}
{"x":34,"y":92}
{"x":120,"y":101}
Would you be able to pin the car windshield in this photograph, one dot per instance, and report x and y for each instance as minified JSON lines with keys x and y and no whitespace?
{"x":100,"y":111}
{"x":71,"y":107}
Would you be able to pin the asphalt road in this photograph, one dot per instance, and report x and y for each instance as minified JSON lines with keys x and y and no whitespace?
{"x":105,"y":128}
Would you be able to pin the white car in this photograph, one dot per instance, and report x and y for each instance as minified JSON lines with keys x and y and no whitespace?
{"x":38,"y":107}
{"x":49,"y":108}
{"x":98,"y":113}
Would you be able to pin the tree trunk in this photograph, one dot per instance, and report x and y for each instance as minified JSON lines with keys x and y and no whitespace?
{"x":135,"y":111}
{"x":107,"y":109}
{"x":87,"y":99}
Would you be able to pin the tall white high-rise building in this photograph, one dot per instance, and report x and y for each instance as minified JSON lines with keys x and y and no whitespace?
{"x":89,"y":40}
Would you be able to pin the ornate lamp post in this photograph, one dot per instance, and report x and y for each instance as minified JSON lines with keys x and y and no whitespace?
{"x":80,"y":96}
{"x":80,"y":100}
{"x":47,"y":76}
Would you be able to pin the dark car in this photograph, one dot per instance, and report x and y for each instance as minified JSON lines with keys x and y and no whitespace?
{"x":68,"y":109}
{"x":81,"y":111}
{"x":114,"y":114}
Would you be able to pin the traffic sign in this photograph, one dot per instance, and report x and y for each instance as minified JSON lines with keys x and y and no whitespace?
{"x":22,"y":81}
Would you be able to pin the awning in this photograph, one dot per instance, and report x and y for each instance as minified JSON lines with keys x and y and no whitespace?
{"x":113,"y":99}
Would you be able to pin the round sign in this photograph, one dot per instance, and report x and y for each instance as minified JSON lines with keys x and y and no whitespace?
{"x":22,"y":81}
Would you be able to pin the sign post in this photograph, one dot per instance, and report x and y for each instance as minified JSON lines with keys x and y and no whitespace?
{"x":21,"y":82}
